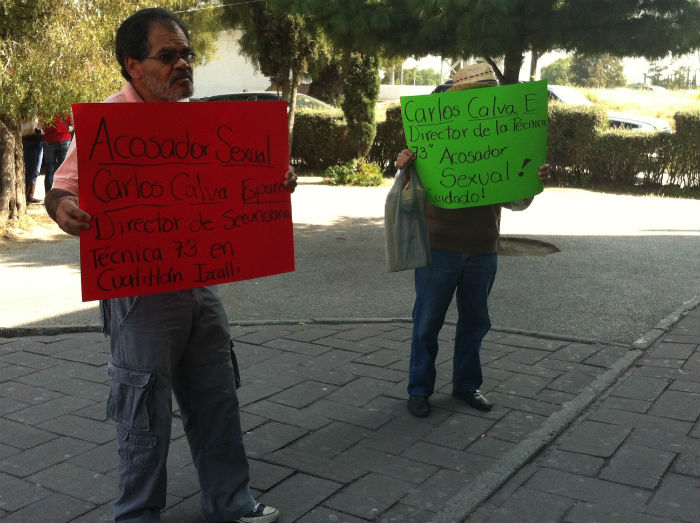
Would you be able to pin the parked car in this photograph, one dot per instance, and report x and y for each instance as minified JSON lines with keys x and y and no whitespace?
{"x":304,"y":101}
{"x":645,"y":87}
{"x":442,"y":87}
{"x":569,"y":95}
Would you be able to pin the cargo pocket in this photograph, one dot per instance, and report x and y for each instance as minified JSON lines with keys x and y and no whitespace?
{"x":129,"y":402}
{"x":136,"y":450}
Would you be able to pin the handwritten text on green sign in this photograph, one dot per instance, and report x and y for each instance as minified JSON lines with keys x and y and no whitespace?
{"x":478,"y":146}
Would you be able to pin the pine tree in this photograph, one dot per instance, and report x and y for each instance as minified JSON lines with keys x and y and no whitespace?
{"x":495,"y":29}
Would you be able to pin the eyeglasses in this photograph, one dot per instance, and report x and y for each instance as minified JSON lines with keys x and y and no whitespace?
{"x":171,"y":57}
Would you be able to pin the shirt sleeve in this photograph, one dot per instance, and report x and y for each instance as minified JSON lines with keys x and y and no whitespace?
{"x":66,"y":176}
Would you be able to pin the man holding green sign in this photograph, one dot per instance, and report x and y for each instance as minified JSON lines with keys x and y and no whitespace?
{"x":475,"y":152}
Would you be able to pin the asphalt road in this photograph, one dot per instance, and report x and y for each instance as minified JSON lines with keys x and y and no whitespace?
{"x":623,"y":264}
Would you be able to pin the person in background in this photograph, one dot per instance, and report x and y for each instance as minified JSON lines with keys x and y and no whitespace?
{"x":32,"y":145}
{"x":463,"y":262}
{"x":57,"y":138}
{"x":175,"y":343}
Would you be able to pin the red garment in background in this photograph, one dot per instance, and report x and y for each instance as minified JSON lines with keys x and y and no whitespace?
{"x":58,"y":132}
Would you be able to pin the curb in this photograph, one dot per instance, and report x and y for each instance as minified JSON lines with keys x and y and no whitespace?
{"x":461,"y":505}
{"x":21,"y":332}
{"x":652,"y":336}
{"x":35,"y":330}
{"x":486,"y":484}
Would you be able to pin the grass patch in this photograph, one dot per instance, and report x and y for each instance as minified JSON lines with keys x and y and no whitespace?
{"x":646,"y":103}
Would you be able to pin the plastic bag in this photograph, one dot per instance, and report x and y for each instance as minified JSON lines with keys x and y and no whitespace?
{"x":405,"y":226}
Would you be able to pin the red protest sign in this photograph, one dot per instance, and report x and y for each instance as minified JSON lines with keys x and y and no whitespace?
{"x":182,"y":195}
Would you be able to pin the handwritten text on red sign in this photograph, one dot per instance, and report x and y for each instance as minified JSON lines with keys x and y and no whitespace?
{"x":182,"y":195}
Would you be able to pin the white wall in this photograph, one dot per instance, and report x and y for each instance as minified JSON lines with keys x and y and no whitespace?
{"x":394,"y":92}
{"x":227,"y":71}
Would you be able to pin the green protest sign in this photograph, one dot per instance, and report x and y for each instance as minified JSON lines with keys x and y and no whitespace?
{"x":478,"y":146}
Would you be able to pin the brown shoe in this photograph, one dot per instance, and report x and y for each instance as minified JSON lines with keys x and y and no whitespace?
{"x":30,"y":188}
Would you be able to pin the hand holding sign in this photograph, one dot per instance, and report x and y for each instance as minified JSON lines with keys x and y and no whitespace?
{"x":478,"y":146}
{"x":193,"y":195}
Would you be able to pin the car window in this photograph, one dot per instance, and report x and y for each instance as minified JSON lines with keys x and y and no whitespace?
{"x":307,"y":102}
{"x":616,"y":124}
{"x":303,"y":101}
{"x":567,"y":95}
{"x":241,"y":97}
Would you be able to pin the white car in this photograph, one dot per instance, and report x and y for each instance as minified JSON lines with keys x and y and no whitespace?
{"x":569,"y":95}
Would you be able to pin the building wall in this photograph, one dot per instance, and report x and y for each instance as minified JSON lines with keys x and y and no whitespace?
{"x":228,"y":71}
{"x":394,"y":92}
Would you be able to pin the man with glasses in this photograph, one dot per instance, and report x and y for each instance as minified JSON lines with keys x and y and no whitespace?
{"x":176,"y":342}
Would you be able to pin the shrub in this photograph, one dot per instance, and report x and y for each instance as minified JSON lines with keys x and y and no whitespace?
{"x":684,"y":165}
{"x":619,"y":156}
{"x":320,"y":140}
{"x":360,"y":90}
{"x":389,"y":140}
{"x":365,"y":174}
{"x":583,"y":152}
{"x":570,"y":141}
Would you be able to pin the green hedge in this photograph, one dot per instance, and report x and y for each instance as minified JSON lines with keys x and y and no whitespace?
{"x":619,"y":156}
{"x":683,"y":151}
{"x":320,"y":140}
{"x":571,"y":139}
{"x":581,"y":150}
{"x":389,"y":140}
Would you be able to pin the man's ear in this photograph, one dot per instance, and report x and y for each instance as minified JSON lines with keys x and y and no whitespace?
{"x":133,"y":66}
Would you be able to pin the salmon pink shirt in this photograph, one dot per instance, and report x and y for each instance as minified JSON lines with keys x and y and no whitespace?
{"x":66,"y":176}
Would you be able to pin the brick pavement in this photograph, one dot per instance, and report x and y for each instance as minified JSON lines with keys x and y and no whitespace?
{"x":632,"y":458}
{"x":330,"y":440}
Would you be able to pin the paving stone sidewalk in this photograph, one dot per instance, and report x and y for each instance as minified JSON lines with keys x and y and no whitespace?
{"x":632,"y":458}
{"x":330,"y":440}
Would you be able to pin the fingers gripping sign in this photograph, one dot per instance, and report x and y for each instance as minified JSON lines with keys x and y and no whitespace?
{"x":70,"y":217}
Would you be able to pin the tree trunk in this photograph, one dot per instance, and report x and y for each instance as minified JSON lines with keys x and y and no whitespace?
{"x":296,"y":80}
{"x":511,"y":66}
{"x":13,"y":201}
{"x":533,"y":65}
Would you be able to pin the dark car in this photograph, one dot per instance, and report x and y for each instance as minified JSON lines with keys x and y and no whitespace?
{"x":304,"y":101}
{"x":442,"y":87}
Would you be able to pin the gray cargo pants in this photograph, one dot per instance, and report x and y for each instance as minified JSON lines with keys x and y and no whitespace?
{"x":174,"y":343}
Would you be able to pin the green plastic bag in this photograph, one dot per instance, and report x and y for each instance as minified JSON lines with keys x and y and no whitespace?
{"x":405,"y":227}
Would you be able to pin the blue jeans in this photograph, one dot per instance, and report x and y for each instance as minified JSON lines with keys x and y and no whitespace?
{"x":472,"y":276}
{"x":164,"y":344}
{"x":54,"y":154}
{"x":33,"y":153}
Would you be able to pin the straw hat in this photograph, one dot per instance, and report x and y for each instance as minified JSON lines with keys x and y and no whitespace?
{"x":471,"y":76}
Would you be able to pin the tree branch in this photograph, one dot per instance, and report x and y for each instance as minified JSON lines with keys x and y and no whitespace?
{"x":495,"y":68}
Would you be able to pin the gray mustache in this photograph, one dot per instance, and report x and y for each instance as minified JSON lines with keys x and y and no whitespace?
{"x":180,"y":75}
